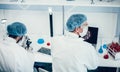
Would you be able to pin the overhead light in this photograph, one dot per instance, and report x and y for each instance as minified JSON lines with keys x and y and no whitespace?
{"x":3,"y":21}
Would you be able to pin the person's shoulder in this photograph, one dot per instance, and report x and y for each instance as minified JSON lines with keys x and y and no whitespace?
{"x":89,"y":45}
{"x":3,"y":43}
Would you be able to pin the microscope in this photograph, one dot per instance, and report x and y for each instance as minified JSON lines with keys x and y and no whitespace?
{"x":26,"y":43}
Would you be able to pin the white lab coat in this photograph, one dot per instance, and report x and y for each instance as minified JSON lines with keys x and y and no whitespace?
{"x":72,"y":54}
{"x":14,"y":58}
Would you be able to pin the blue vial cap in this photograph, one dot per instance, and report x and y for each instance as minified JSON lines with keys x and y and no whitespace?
{"x":105,"y":46}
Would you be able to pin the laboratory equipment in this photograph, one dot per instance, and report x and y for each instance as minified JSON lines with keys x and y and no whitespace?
{"x":25,"y":43}
{"x":48,"y":44}
{"x":28,"y":42}
{"x":106,"y":56}
{"x":45,"y":50}
{"x":40,"y":41}
{"x":105,"y":46}
{"x":100,"y":50}
{"x":93,"y":35}
{"x":114,"y":50}
{"x":51,"y":21}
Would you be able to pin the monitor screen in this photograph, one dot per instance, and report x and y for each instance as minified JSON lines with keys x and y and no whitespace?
{"x":93,"y":35}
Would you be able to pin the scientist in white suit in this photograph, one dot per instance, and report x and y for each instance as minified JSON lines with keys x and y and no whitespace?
{"x":70,"y":52}
{"x":14,"y":58}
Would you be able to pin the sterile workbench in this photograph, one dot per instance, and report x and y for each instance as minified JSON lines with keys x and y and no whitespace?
{"x":43,"y":58}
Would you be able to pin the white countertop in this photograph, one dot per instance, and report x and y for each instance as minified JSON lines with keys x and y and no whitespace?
{"x":109,"y":62}
{"x":40,"y":57}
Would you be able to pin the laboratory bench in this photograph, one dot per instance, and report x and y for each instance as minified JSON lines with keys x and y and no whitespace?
{"x":106,"y":65}
{"x":8,"y":8}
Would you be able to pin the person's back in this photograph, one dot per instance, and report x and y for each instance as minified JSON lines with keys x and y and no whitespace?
{"x":14,"y":58}
{"x":70,"y":52}
{"x":73,"y":55}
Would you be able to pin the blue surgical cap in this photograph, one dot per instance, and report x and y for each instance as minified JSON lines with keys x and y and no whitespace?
{"x":75,"y":21}
{"x":16,"y":29}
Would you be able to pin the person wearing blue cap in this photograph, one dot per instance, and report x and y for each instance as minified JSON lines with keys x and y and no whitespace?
{"x":16,"y":30}
{"x":14,"y":58}
{"x":77,"y":24}
{"x":70,"y":52}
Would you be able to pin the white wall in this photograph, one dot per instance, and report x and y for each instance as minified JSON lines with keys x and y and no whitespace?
{"x":37,"y":21}
{"x":58,"y":23}
{"x":2,"y":26}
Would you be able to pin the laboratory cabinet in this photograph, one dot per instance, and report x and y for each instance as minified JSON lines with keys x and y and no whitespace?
{"x":39,"y":14}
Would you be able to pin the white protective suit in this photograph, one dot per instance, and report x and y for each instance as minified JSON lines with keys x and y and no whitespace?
{"x":72,"y":54}
{"x":14,"y":58}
